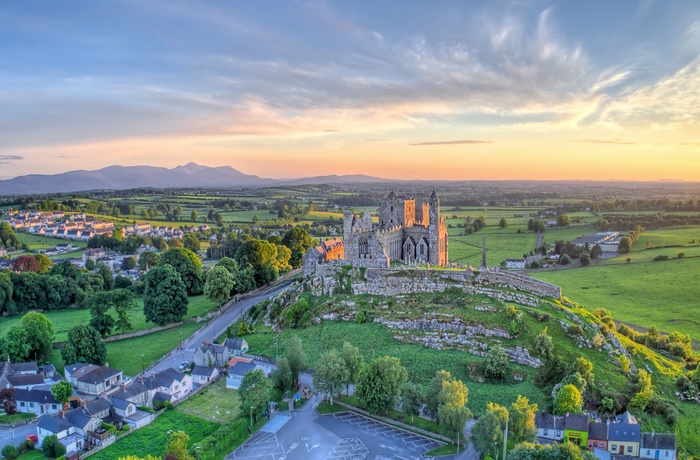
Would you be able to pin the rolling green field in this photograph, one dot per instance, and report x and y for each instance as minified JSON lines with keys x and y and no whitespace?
{"x":153,"y":438}
{"x":662,"y":294}
{"x":36,"y":242}
{"x":64,"y":320}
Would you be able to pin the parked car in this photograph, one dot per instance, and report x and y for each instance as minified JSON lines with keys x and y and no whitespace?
{"x":184,"y":365}
{"x":33,"y":438}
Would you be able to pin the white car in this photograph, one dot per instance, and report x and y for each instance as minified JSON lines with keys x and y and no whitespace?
{"x":184,"y":365}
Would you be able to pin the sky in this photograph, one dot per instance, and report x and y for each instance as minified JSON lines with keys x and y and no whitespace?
{"x":487,"y":90}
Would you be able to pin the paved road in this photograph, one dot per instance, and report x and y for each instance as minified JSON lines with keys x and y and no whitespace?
{"x":214,"y":329}
{"x":16,"y":435}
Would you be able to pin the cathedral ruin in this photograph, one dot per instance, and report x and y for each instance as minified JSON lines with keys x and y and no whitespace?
{"x":405,"y":233}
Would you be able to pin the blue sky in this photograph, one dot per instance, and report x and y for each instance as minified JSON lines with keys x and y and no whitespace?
{"x":449,"y":89}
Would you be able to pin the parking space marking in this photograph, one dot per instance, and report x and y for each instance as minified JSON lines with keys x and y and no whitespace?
{"x":348,"y":449}
{"x":261,"y":446}
{"x":389,"y":431}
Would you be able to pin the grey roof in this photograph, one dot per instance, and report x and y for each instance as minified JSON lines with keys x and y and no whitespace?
{"x":137,"y":415}
{"x":79,"y":417}
{"x":624,"y":432}
{"x":119,"y":403}
{"x":547,"y":421}
{"x":161,"y":397}
{"x":241,"y":368}
{"x":598,"y":431}
{"x":666,"y":441}
{"x":72,"y":368}
{"x":54,"y":424}
{"x":166,"y":377}
{"x":235,"y":344}
{"x":96,"y":375}
{"x":203,"y":370}
{"x":576,"y":422}
{"x":38,"y":395}
{"x":25,"y":367}
{"x":22,"y":380}
{"x":97,"y":405}
{"x":626,"y":417}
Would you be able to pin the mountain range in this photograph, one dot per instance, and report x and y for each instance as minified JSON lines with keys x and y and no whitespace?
{"x":190,"y":175}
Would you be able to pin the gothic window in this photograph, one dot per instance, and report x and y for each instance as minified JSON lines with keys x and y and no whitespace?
{"x":363,"y":247}
{"x":391,"y":208}
{"x":422,"y":250}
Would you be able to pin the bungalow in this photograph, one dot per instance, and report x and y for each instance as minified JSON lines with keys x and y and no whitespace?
{"x":53,"y":425}
{"x":202,"y":374}
{"x":658,"y":446}
{"x":236,"y":347}
{"x":93,"y":380}
{"x":550,"y":427}
{"x":515,"y":263}
{"x":173,"y":383}
{"x":239,"y":369}
{"x":597,"y":436}
{"x":38,"y":400}
{"x":576,"y":429}
{"x":211,"y":354}
{"x":624,"y":435}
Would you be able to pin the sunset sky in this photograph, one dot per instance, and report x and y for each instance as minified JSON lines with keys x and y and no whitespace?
{"x":400,"y":89}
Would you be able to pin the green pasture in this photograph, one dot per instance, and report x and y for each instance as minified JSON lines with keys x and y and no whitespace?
{"x":215,"y":403}
{"x":65,"y":320}
{"x":501,"y":244}
{"x":676,"y":236}
{"x":153,"y":438}
{"x":662,"y":294}
{"x":36,"y":242}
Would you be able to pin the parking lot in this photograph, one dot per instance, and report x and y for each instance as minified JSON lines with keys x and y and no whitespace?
{"x":305,"y":435}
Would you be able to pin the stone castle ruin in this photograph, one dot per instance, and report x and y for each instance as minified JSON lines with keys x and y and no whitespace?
{"x":405,"y":233}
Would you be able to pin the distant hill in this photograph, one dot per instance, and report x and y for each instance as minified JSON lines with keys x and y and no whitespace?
{"x":126,"y":177}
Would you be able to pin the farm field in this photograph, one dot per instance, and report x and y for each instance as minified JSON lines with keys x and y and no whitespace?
{"x":675,"y":236}
{"x":662,"y":294}
{"x":36,"y":242}
{"x":153,"y":438}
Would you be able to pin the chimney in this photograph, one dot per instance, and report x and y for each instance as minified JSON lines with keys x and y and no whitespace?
{"x":652,"y":434}
{"x":62,"y":413}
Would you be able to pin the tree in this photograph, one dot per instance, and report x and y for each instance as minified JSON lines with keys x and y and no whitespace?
{"x":563,"y":220}
{"x":62,"y":391}
{"x":353,"y":363}
{"x":44,"y":263}
{"x":411,"y":399}
{"x":544,"y":345}
{"x":522,"y":420}
{"x":379,"y":384}
{"x":564,"y":259}
{"x":624,"y":246}
{"x":282,"y":375}
{"x":26,"y":264}
{"x":298,"y":241}
{"x":9,"y":404}
{"x":177,"y":446}
{"x":187,"y":265}
{"x":191,"y":242}
{"x":568,"y":401}
{"x":165,"y":296}
{"x":15,"y":345}
{"x":432,"y":395}
{"x":194,"y":216}
{"x":148,"y":260}
{"x":129,"y":263}
{"x":39,"y":335}
{"x":219,"y":285}
{"x":585,"y":259}
{"x":89,"y":264}
{"x":254,"y":391}
{"x":10,"y":452}
{"x":452,"y":411}
{"x":567,"y":450}
{"x":496,"y":363}
{"x":331,"y":373}
{"x":51,"y":447}
{"x":297,"y":358}
{"x":596,"y":252}
{"x":260,"y":256}
{"x":8,"y":239}
{"x":503,"y":223}
{"x":84,"y":345}
{"x":486,"y":434}
{"x":585,"y":368}
{"x":644,"y":390}
{"x":6,"y":291}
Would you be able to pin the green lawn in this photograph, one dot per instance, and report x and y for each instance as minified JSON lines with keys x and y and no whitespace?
{"x":662,"y":294}
{"x":216,"y":403}
{"x":32,"y":455}
{"x":152,"y":439}
{"x":18,"y":417}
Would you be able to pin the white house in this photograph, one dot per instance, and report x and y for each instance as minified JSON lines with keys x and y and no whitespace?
{"x":550,"y":426}
{"x":37,"y":400}
{"x":658,"y":446}
{"x":515,"y":263}
{"x":94,"y":380}
{"x":173,"y":383}
{"x":239,"y":369}
{"x":202,"y":375}
{"x":50,"y":425}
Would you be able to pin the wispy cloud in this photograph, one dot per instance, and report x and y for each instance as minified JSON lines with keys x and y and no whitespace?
{"x":465,"y":141}
{"x":10,"y":159}
{"x":606,"y":141}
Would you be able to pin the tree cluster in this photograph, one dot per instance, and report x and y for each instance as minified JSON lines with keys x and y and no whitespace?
{"x":32,"y":339}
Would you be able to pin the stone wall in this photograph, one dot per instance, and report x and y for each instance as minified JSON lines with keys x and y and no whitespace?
{"x":520,"y":282}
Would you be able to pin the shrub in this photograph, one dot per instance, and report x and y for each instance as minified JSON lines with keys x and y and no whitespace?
{"x":496,"y":363}
{"x":564,"y":260}
{"x":10,"y":452}
{"x":575,"y":330}
{"x":660,"y":258}
{"x":361,"y":317}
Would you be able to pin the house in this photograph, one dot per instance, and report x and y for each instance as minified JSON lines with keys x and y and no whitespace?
{"x":92,"y":379}
{"x":98,"y":408}
{"x":93,"y":253}
{"x":211,"y":354}
{"x":601,"y":454}
{"x":236,"y":347}
{"x":550,"y":427}
{"x":202,"y":374}
{"x":37,"y":400}
{"x":55,"y":425}
{"x":624,"y":435}
{"x":172,"y":383}
{"x":597,"y":436}
{"x":576,"y":429}
{"x":20,"y":375}
{"x":658,"y":446}
{"x":515,"y":263}
{"x":122,"y":407}
{"x":140,"y":391}
{"x":239,"y":369}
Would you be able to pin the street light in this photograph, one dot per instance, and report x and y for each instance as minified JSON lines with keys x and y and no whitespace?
{"x":143,"y":365}
{"x":251,"y":420}
{"x":196,"y":451}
